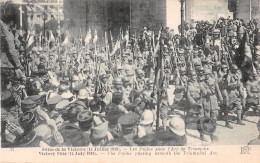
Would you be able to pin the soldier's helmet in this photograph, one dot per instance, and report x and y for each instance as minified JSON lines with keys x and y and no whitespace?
{"x":234,"y":67}
{"x":117,"y":81}
{"x":224,"y":65}
{"x":147,"y":117}
{"x":177,"y":125}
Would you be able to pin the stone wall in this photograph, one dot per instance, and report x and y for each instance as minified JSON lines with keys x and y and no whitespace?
{"x":111,"y":15}
{"x":206,"y":9}
{"x":243,"y":10}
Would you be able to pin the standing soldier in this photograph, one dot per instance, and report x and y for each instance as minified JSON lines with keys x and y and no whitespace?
{"x":211,"y":94}
{"x":253,"y":93}
{"x":194,"y":95}
{"x":235,"y":98}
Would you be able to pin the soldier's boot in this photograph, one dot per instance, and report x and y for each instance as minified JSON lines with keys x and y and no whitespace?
{"x":202,"y":137}
{"x":239,"y":119}
{"x":227,"y":122}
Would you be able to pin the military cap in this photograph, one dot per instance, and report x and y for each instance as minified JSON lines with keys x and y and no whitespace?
{"x":128,"y":122}
{"x":26,"y":120}
{"x":139,"y":71}
{"x":197,"y":64}
{"x":195,"y":51}
{"x":183,"y":70}
{"x":150,"y":82}
{"x":206,"y":126}
{"x":181,"y":51}
{"x":126,"y":80}
{"x":216,"y":32}
{"x":117,"y":81}
{"x":27,"y":104}
{"x":234,"y":67}
{"x":64,"y":81}
{"x":104,"y":76}
{"x":54,"y":100}
{"x":63,"y":58}
{"x":87,"y":57}
{"x":224,"y":65}
{"x":85,"y":119}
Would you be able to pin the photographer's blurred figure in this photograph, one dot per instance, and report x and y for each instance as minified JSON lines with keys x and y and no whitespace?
{"x":256,"y":141}
{"x":10,"y":63}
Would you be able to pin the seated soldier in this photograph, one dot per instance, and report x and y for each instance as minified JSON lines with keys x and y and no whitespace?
{"x":144,"y":135}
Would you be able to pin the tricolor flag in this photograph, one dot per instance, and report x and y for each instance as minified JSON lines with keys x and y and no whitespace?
{"x":30,"y":43}
{"x":88,"y":36}
{"x":66,"y":40}
{"x":116,"y":47}
{"x":95,"y":37}
{"x":126,"y":36}
{"x":52,"y":38}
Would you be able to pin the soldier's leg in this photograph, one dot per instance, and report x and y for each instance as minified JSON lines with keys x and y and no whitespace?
{"x":239,"y":113}
{"x":226,"y":117}
{"x":163,"y":115}
{"x":245,"y":109}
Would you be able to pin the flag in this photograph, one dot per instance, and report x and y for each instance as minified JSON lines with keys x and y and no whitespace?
{"x":52,"y":38}
{"x":88,"y":36}
{"x":95,"y":37}
{"x":116,"y":47}
{"x":30,"y":43}
{"x":112,"y":40}
{"x":66,"y":40}
{"x":126,"y":36}
{"x":243,"y":55}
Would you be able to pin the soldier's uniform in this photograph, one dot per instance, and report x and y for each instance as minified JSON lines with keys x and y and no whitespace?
{"x":180,"y":89}
{"x":194,"y":96}
{"x":235,"y":94}
{"x":210,"y":94}
{"x":253,"y":95}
